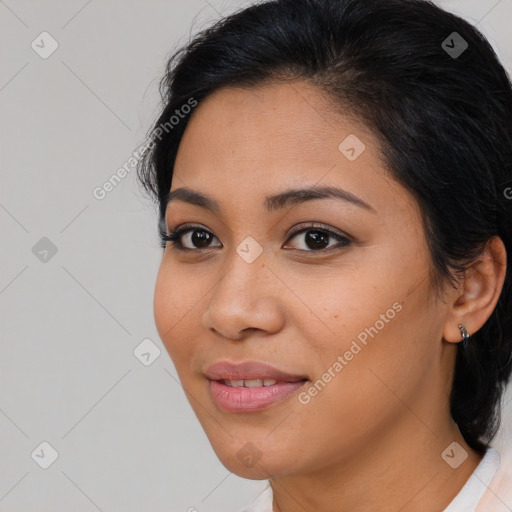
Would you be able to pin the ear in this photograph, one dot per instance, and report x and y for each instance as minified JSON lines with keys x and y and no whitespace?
{"x":477,"y":295}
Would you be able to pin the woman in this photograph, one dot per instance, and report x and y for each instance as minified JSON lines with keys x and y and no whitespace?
{"x":335,"y":288}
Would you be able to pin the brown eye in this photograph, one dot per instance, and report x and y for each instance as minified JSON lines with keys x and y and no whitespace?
{"x":196,"y":238}
{"x":317,"y":239}
{"x":200,"y":238}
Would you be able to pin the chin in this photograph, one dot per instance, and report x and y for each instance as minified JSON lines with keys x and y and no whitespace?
{"x":248,"y":461}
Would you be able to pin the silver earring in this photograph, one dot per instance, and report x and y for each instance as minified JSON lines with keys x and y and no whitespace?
{"x":465,"y":336}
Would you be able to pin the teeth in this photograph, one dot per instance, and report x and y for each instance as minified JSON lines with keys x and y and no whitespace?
{"x":250,"y":383}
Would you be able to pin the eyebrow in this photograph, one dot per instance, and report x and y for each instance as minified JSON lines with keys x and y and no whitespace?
{"x":275,"y":202}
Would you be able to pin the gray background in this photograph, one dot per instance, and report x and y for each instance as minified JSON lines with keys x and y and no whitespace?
{"x":126,"y":437}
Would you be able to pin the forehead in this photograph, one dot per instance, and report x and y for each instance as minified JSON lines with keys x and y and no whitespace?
{"x":250,"y":142}
{"x":291,"y":119}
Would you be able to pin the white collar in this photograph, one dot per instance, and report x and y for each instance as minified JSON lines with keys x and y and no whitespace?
{"x":474,"y":488}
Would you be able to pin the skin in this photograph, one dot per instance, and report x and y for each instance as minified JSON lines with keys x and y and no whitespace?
{"x":372,"y":438}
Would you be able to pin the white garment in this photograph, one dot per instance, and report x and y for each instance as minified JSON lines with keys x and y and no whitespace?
{"x":465,"y":501}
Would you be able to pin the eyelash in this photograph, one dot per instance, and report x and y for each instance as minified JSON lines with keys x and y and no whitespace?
{"x":174,"y":237}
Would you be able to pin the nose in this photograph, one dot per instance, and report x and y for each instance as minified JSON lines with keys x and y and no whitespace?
{"x":246,"y":298}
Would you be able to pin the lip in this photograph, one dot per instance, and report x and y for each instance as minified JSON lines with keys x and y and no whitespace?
{"x":227,"y":370}
{"x":250,"y":399}
{"x":242,"y":399}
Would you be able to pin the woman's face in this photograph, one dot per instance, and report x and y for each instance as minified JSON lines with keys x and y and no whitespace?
{"x":354,"y":315}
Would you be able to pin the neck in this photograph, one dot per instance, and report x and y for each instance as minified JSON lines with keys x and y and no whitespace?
{"x":401,"y":469}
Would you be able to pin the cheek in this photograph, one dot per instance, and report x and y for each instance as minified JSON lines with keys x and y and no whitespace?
{"x":343,"y":305}
{"x":176,"y":312}
{"x":164,"y":303}
{"x":364,"y":333}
